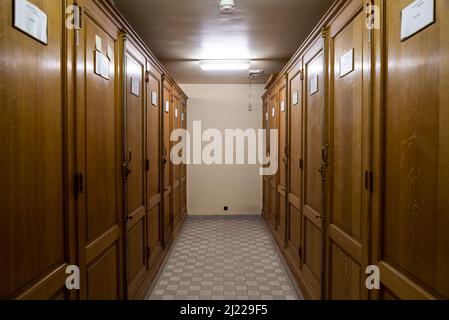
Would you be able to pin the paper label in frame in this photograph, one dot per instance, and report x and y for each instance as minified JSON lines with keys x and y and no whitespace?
{"x":417,"y":16}
{"x":167,"y":106}
{"x":267,"y":116}
{"x":295,"y":98}
{"x":98,"y":43}
{"x":273,"y":112}
{"x":110,"y":52}
{"x":31,"y":20}
{"x":101,"y":65}
{"x":314,"y":84}
{"x":282,"y":106}
{"x":135,"y":86}
{"x":176,"y":113}
{"x":347,"y":63}
{"x":154,"y":98}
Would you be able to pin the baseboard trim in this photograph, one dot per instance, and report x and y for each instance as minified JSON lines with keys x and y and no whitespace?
{"x":233,"y":214}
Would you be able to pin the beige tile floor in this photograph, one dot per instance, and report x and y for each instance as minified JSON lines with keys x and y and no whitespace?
{"x":224,"y":258}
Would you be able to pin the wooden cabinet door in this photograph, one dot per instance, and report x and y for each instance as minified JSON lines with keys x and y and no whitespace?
{"x":99,"y":157}
{"x":183,"y":166}
{"x":167,"y":180}
{"x":411,"y":209}
{"x":295,"y":165}
{"x":281,"y":222}
{"x":312,"y":187}
{"x":176,"y":180}
{"x":34,"y":220}
{"x":266,"y":190}
{"x":153,"y":174}
{"x":135,"y":157}
{"x":273,"y":114}
{"x":349,"y":158}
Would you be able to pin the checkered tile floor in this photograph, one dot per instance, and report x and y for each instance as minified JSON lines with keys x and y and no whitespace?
{"x":224,"y":258}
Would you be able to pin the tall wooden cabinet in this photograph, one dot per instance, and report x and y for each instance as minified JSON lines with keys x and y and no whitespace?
{"x":37,"y":227}
{"x":366,"y":153}
{"x":410,"y":142}
{"x":83,"y":157}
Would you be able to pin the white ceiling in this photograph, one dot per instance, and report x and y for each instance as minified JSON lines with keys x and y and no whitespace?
{"x":180,"y":32}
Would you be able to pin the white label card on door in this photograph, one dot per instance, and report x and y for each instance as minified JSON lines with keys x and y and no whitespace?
{"x":31,"y":20}
{"x":282,"y":106}
{"x":135,"y":87}
{"x":167,"y":106}
{"x":98,"y":43}
{"x":176,"y":113}
{"x":417,"y":16}
{"x":273,"y":112}
{"x":154,"y":98}
{"x":110,"y":52}
{"x":101,"y":65}
{"x":314,"y":84}
{"x":295,"y":98}
{"x":267,"y":116}
{"x":182,"y":116}
{"x":347,"y":63}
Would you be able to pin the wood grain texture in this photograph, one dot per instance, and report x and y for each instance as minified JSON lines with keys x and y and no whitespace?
{"x":414,"y":208}
{"x":34,"y":216}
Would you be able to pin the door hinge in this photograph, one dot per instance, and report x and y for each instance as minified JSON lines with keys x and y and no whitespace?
{"x":369,"y":181}
{"x":77,"y":23}
{"x":301,"y":74}
{"x":301,"y":164}
{"x":147,"y":77}
{"x":79,"y":184}
{"x":147,"y":165}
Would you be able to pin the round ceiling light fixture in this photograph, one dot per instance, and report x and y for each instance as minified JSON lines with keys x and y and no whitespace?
{"x":227,"y":5}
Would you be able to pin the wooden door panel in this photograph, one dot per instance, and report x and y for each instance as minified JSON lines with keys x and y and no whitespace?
{"x":137,"y":259}
{"x":282,"y":171}
{"x":154,"y":238}
{"x":295,"y":230}
{"x":153,"y":140}
{"x":102,"y":276}
{"x":176,"y":169}
{"x":312,"y":256}
{"x":99,"y":159}
{"x":413,"y":214}
{"x":313,"y":132}
{"x":274,"y":115}
{"x":33,"y":219}
{"x":345,"y":275}
{"x":167,"y":171}
{"x":135,"y":68}
{"x":348,"y":154}
{"x":135,"y":155}
{"x":295,"y":164}
{"x":266,"y":180}
{"x":312,"y":188}
{"x":176,"y":204}
{"x":100,"y":142}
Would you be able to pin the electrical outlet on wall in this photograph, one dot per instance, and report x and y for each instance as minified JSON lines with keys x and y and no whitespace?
{"x":226,"y":208}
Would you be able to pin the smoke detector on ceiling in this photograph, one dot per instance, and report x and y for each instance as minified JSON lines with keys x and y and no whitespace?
{"x":227,"y":5}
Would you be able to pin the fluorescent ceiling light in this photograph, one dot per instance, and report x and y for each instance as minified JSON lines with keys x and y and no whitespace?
{"x":223,"y":65}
